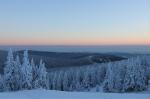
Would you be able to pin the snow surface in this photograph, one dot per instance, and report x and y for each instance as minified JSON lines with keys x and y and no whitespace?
{"x":47,"y":94}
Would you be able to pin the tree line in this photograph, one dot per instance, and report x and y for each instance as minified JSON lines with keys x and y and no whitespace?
{"x":128,"y":75}
{"x":22,"y":76}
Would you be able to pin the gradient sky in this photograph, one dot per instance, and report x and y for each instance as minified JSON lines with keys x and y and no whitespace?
{"x":74,"y":22}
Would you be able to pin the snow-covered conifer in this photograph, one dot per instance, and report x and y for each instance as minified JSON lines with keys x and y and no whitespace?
{"x":9,"y":72}
{"x":26,"y":72}
{"x":65,"y":82}
{"x":135,"y":76}
{"x":59,"y":81}
{"x":109,"y":81}
{"x":42,"y":75}
{"x":54,"y":80}
{"x":34,"y":75}
{"x":17,"y":71}
{"x":86,"y":80}
{"x":1,"y":83}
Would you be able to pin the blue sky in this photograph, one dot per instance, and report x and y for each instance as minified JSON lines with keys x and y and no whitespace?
{"x":84,"y":22}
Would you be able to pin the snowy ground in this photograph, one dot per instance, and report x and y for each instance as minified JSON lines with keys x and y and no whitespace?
{"x":45,"y":94}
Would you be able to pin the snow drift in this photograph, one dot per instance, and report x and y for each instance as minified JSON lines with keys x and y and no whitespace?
{"x":47,"y":94}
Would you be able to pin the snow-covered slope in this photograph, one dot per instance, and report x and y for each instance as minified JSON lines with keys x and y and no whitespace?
{"x":45,"y":94}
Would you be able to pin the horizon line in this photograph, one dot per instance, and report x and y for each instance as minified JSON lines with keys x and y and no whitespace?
{"x":76,"y":45}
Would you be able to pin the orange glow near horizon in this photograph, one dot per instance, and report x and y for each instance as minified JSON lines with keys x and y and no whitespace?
{"x":100,"y":41}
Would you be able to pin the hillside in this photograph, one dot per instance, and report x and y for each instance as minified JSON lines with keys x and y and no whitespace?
{"x":64,"y":59}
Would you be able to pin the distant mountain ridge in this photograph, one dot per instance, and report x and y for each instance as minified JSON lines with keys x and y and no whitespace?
{"x":64,"y":59}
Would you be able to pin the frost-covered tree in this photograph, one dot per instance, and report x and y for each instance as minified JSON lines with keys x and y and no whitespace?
{"x":125,"y":76}
{"x":86,"y":80}
{"x":114,"y":77}
{"x":100,"y":74}
{"x":17,"y":71}
{"x":145,"y":62}
{"x":1,"y":83}
{"x":59,"y":81}
{"x":26,"y":72}
{"x":9,"y":72}
{"x":42,"y":75}
{"x":50,"y":80}
{"x":91,"y":76}
{"x":65,"y":82}
{"x":54,"y":80}
{"x":135,"y":76}
{"x":119,"y":75}
{"x":12,"y":72}
{"x":19,"y":76}
{"x":34,"y":75}
{"x":78,"y":80}
{"x":109,"y":81}
{"x":72,"y":79}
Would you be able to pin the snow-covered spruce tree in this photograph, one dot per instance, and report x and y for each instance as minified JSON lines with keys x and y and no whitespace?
{"x":42,"y":76}
{"x":26,"y":72}
{"x":9,"y":72}
{"x":101,"y":73}
{"x":1,"y":83}
{"x":54,"y":80}
{"x":78,"y":80}
{"x":92,"y":76}
{"x":72,"y":79}
{"x":17,"y":72}
{"x":35,"y":84}
{"x":119,"y":75}
{"x":109,"y":81}
{"x":50,"y":80}
{"x":135,"y":76}
{"x":59,"y":81}
{"x":114,"y":78}
{"x":86,"y":80}
{"x":66,"y":82}
{"x":145,"y":62}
